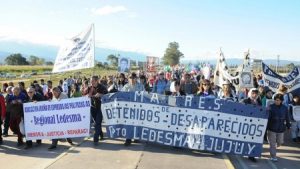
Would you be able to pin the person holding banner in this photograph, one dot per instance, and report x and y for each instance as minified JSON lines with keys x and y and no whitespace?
{"x":204,"y":89}
{"x":279,"y":120}
{"x":188,"y":86}
{"x":57,"y":96}
{"x":253,"y":99}
{"x":161,"y":84}
{"x":15,"y":107}
{"x":132,"y":86}
{"x":96,"y":92}
{"x":226,"y":93}
{"x":33,"y":97}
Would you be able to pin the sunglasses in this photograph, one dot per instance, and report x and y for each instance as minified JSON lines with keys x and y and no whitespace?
{"x":205,"y":84}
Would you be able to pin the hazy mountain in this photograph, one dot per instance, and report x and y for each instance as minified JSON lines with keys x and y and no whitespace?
{"x":236,"y":61}
{"x":50,"y":52}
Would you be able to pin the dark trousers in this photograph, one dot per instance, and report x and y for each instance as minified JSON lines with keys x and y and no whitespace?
{"x":29,"y":142}
{"x":98,"y":123}
{"x":6,"y":123}
{"x":55,"y":141}
{"x":14,"y":126}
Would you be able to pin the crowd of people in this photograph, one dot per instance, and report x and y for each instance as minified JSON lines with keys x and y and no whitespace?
{"x":175,"y":83}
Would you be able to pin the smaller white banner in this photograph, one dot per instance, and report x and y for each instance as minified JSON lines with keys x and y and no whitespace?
{"x":57,"y":119}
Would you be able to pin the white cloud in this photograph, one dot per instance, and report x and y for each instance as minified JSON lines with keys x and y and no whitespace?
{"x":107,"y":10}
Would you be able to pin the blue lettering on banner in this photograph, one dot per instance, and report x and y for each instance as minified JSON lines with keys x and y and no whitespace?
{"x":192,"y":122}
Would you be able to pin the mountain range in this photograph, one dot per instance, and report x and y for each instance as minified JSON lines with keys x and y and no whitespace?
{"x":49,"y":54}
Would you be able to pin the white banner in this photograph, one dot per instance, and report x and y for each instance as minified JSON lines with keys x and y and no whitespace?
{"x":273,"y":80}
{"x":76,"y":53}
{"x":241,"y":77}
{"x":57,"y":119}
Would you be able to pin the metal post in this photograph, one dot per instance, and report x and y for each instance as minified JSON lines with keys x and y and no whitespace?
{"x":277,"y":63}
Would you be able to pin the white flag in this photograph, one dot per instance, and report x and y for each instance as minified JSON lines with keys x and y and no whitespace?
{"x":77,"y":52}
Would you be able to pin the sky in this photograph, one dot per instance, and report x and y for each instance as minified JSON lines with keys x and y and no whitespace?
{"x":201,"y":27}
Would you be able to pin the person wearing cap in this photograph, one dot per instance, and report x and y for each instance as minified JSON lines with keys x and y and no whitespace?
{"x":227,"y":93}
{"x":161,"y":84}
{"x":33,"y":97}
{"x":252,"y":99}
{"x":57,"y":96}
{"x":279,"y":121}
{"x":132,"y":86}
{"x":188,"y":86}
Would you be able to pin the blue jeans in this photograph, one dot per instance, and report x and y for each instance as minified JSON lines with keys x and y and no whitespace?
{"x":98,"y":123}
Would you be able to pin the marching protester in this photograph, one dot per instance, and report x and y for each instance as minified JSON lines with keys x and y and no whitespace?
{"x":204,"y":89}
{"x":279,"y":120}
{"x":22,"y":89}
{"x":132,"y":86}
{"x":143,"y":81}
{"x":33,"y":96}
{"x":226,"y":92}
{"x":96,"y":92}
{"x":188,"y":86}
{"x":7,"y":117}
{"x":15,"y":107}
{"x":75,"y":91}
{"x":57,"y":96}
{"x":242,"y":93}
{"x":49,"y":94}
{"x":111,"y":87}
{"x":44,"y":86}
{"x":268,"y":96}
{"x":288,"y":97}
{"x":295,"y":126}
{"x":2,"y":114}
{"x":122,"y":81}
{"x":160,"y":85}
{"x":85,"y":88}
{"x":252,"y":99}
{"x":177,"y":89}
{"x":4,"y":88}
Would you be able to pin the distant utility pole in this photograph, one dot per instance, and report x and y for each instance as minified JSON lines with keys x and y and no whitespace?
{"x":277,"y":63}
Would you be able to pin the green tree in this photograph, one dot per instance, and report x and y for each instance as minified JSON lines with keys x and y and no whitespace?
{"x":34,"y":60}
{"x":16,"y":59}
{"x":112,"y":59}
{"x":49,"y":63}
{"x":172,"y":55}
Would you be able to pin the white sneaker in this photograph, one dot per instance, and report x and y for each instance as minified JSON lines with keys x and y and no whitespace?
{"x":274,"y":159}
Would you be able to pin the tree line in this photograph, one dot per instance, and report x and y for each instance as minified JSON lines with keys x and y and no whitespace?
{"x":172,"y":56}
{"x":18,"y":59}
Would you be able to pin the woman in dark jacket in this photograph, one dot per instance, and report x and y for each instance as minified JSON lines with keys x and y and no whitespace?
{"x":279,"y":120}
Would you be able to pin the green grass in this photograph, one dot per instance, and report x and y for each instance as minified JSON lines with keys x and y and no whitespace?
{"x":24,"y":69}
{"x":18,"y":70}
